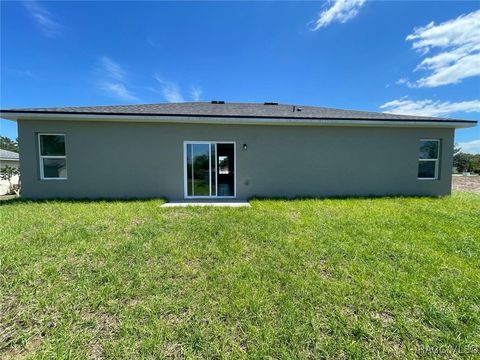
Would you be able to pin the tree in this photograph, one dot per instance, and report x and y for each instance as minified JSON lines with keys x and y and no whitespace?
{"x":460,"y":161}
{"x":475,"y":163}
{"x":456,"y":149}
{"x":7,"y":173}
{"x":8,"y":144}
{"x":464,"y":161}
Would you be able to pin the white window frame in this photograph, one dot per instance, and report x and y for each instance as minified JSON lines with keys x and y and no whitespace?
{"x":41,"y":157}
{"x":436,"y":161}
{"x":185,"y":180}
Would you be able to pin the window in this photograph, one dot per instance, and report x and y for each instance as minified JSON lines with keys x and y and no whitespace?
{"x":428,"y":159}
{"x":53,"y":159}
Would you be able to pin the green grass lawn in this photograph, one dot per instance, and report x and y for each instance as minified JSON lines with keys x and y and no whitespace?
{"x":354,"y":278}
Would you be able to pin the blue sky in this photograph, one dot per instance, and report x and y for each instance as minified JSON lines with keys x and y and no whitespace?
{"x":397,"y":56}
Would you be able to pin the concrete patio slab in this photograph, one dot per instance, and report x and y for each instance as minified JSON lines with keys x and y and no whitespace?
{"x":215,"y":204}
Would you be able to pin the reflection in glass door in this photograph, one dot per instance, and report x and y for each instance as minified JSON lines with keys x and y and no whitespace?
{"x":198,"y":169}
{"x":202,"y":179}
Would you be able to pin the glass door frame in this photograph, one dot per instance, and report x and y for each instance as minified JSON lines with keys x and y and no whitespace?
{"x":185,"y":171}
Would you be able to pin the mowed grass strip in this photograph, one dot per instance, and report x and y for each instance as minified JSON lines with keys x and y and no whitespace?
{"x":344,"y":278}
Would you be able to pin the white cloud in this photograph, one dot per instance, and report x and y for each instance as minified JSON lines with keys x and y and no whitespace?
{"x":429,"y":107}
{"x":196,"y":93}
{"x":405,"y":81}
{"x":111,"y":68}
{"x":340,"y":10}
{"x":43,"y":18}
{"x":118,"y":90}
{"x":472,"y":147}
{"x":22,"y":73}
{"x":457,"y":43}
{"x":170,"y":90}
{"x":112,"y":79}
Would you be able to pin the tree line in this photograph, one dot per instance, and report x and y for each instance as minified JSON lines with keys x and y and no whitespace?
{"x":465,"y":161}
{"x":8,"y":144}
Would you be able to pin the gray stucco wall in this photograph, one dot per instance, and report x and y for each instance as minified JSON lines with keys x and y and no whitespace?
{"x":141,"y":160}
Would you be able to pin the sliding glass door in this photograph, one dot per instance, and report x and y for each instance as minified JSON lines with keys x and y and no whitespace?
{"x":209,"y":169}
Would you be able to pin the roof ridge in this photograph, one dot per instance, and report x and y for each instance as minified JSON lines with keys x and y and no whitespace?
{"x":231,"y":110}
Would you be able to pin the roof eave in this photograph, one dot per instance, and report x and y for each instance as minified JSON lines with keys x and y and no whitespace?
{"x":240,"y":120}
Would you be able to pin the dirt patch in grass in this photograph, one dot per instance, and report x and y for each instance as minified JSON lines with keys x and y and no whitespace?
{"x":385,"y":318}
{"x":105,"y":327}
{"x":173,"y":350}
{"x":466,"y":183}
{"x":95,"y":350}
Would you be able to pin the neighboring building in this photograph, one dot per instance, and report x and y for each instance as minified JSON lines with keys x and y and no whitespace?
{"x":230,"y":151}
{"x":9,"y":158}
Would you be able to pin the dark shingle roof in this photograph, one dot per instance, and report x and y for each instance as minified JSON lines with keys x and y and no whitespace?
{"x":237,"y":110}
{"x":8,"y":155}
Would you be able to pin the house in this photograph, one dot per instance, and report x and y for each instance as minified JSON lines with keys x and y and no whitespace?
{"x":230,"y":151}
{"x":8,"y":158}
